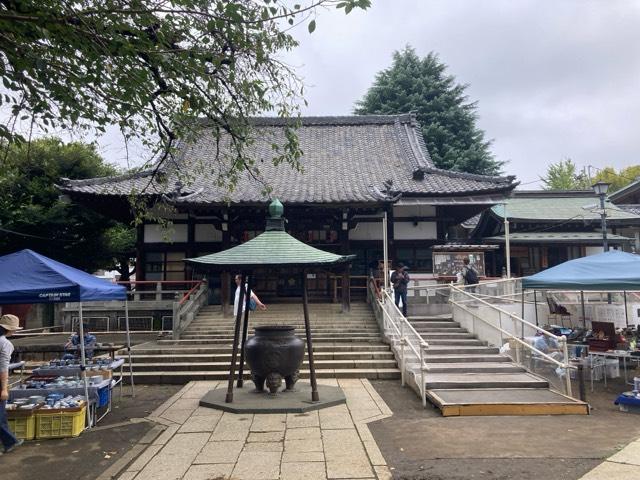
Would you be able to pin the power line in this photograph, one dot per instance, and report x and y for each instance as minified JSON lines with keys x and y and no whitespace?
{"x":12,"y":232}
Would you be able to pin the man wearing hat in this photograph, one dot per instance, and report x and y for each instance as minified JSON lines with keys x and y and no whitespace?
{"x":400,"y":280}
{"x":8,"y":325}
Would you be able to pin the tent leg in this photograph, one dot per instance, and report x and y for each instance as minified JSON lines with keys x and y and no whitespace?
{"x":126,"y":319}
{"x":234,"y":352}
{"x":83,"y":364}
{"x":245,"y":329}
{"x":312,"y":369}
{"x":584,"y":314}
{"x":626,"y":313}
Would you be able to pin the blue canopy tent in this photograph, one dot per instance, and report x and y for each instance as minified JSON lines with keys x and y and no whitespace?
{"x":613,"y":271}
{"x":28,"y":277}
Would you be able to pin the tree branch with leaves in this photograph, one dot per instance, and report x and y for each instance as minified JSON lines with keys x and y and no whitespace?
{"x":154,"y":68}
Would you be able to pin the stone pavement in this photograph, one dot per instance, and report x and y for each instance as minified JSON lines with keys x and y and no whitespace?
{"x":624,"y":465}
{"x":205,"y":444}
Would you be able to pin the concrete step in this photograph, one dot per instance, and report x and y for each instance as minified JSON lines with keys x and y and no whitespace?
{"x":474,"y":367}
{"x":513,"y":401}
{"x":187,"y":336}
{"x":466,"y":358}
{"x":224,"y":366}
{"x":447,"y":335}
{"x":426,"y":318}
{"x":426,"y":331}
{"x":480,"y":380}
{"x":184,"y":377}
{"x":458,"y":350}
{"x":420,"y":325}
{"x":298,"y":331}
{"x":163,"y":349}
{"x":223,"y":341}
{"x":455,"y":341}
{"x":226,"y":357}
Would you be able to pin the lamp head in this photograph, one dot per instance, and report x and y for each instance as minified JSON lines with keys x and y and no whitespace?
{"x":600,"y":188}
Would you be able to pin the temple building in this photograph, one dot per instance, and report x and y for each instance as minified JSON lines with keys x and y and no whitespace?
{"x":354,"y":169}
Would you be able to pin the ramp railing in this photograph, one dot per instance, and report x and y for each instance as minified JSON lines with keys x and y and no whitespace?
{"x":407,"y":345}
{"x":530,"y":346}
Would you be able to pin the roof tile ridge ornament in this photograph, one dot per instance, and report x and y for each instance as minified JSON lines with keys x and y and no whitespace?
{"x":329,"y":120}
{"x":386,"y":194}
{"x":275,"y":220}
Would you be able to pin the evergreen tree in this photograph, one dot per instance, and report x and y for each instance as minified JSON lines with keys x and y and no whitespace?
{"x":448,"y":119}
{"x":32,"y":215}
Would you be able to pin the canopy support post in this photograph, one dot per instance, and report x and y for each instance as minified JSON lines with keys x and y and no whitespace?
{"x":312,"y":369}
{"x":584,"y":312}
{"x":83,"y":364}
{"x":522,"y":332}
{"x":626,"y":313}
{"x":126,"y":319}
{"x":245,"y":329}
{"x":234,"y":351}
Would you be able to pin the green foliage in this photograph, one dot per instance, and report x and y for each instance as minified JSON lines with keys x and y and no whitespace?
{"x":33,"y":216}
{"x":618,"y":179}
{"x":448,"y":120}
{"x":564,"y":176}
{"x":153,"y":68}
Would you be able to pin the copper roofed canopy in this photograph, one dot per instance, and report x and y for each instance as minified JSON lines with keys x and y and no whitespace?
{"x":273,"y":248}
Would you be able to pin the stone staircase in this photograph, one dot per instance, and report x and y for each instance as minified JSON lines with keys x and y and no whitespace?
{"x":345,"y":345}
{"x":466,"y":377}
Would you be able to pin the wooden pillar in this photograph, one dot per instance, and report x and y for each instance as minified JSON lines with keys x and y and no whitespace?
{"x":391,"y":247}
{"x":344,"y":250}
{"x":140,"y":253}
{"x":225,"y":293}
{"x":346,"y":289}
{"x":225,"y":279}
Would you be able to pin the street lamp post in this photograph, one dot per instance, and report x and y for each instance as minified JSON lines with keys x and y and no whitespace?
{"x":600,"y":188}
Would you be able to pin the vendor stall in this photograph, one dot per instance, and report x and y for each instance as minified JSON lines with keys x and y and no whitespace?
{"x":28,"y":277}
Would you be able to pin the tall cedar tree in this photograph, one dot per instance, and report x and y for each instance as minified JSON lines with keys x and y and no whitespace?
{"x":32,"y":215}
{"x":448,"y":120}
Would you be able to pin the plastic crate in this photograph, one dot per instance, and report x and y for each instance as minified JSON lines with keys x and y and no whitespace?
{"x":22,"y":423}
{"x":103,"y":396}
{"x":60,"y":423}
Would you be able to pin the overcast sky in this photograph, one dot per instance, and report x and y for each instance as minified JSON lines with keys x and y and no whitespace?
{"x":552,"y":78}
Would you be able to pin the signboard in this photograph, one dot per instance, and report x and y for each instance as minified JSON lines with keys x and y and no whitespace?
{"x":448,"y":264}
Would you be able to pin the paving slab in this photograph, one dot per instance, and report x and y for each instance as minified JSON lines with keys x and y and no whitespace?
{"x":332,"y":443}
{"x":303,"y":471}
{"x":257,"y":466}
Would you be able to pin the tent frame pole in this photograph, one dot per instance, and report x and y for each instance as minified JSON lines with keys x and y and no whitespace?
{"x":83,"y":365}
{"x":626,"y":313}
{"x":584,"y":312}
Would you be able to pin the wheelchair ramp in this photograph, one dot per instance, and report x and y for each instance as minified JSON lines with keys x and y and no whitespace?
{"x":510,"y":401}
{"x":464,"y":376}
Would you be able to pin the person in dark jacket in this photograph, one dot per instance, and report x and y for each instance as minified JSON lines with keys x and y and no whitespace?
{"x":400,"y":281}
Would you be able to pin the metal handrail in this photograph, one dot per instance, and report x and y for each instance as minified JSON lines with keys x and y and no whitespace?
{"x":559,"y":339}
{"x":403,"y":330}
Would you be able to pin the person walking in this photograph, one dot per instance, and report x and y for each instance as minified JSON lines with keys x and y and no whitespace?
{"x":400,"y":281}
{"x":469,"y":275}
{"x":8,"y":325}
{"x":254,"y":297}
